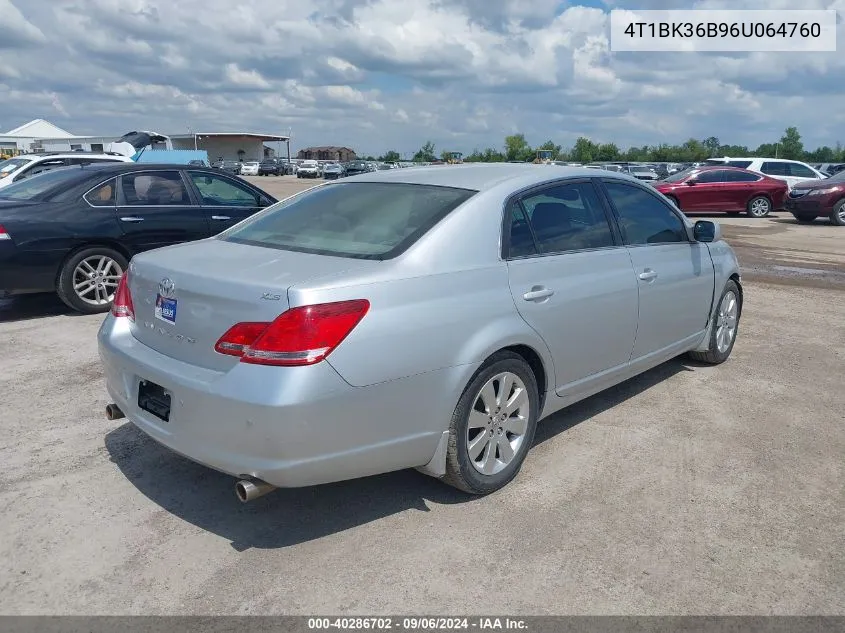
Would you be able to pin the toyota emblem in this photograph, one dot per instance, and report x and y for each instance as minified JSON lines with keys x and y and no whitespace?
{"x":166,"y":287}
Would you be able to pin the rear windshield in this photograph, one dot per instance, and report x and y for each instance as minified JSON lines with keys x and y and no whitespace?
{"x":41,"y":184}
{"x":368,"y":220}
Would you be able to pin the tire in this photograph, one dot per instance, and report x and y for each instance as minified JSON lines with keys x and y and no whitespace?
{"x":805,"y":219}
{"x":759,"y":207}
{"x":465,"y":472}
{"x":716,"y":353}
{"x":79,"y":267}
{"x":837,"y":216}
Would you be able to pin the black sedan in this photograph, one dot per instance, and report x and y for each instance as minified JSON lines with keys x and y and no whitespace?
{"x":74,"y":230}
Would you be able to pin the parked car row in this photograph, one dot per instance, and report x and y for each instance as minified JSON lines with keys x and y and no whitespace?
{"x":74,"y":230}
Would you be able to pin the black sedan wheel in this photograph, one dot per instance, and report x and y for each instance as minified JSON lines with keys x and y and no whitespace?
{"x":89,"y":279}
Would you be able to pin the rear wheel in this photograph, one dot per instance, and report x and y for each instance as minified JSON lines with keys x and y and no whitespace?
{"x":804,"y":219}
{"x":493,"y":426}
{"x":724,"y":328}
{"x":89,"y":278}
{"x":759,"y":207}
{"x":837,"y":216}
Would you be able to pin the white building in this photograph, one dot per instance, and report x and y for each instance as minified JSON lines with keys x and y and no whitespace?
{"x":42,"y":136}
{"x":24,"y":137}
{"x":230,"y":145}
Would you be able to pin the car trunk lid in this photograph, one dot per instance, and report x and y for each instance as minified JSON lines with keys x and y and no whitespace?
{"x":205,"y":287}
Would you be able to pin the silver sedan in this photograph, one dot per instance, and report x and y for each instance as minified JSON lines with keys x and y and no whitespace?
{"x":424,"y":318}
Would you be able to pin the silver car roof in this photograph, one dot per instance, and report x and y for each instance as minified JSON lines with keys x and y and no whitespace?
{"x":482,"y":176}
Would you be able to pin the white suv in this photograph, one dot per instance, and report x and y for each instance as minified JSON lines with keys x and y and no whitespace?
{"x":17,"y":168}
{"x":791,"y":171}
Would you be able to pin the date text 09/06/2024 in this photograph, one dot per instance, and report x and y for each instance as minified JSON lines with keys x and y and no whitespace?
{"x":698,"y":30}
{"x":417,"y":623}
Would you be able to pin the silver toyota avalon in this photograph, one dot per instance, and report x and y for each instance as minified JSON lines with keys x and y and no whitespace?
{"x":422,"y":318}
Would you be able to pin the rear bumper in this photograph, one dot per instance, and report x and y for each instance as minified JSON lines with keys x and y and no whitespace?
{"x":288,"y":426}
{"x":22,"y":273}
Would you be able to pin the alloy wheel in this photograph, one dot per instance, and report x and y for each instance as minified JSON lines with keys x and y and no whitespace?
{"x":95,"y":279}
{"x":726,"y":321}
{"x":498,"y":422}
{"x":760,"y":207}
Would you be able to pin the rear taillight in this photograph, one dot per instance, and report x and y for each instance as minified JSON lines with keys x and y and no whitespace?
{"x":240,"y":336}
{"x":300,"y":336}
{"x":4,"y":234}
{"x":122,"y":305}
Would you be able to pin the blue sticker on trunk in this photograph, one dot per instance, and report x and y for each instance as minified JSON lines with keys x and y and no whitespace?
{"x":165,"y":309}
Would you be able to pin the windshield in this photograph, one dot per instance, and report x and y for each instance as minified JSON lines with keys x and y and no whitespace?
{"x":11,"y":165}
{"x":40,"y":184}
{"x":679,"y":175}
{"x":363,"y":220}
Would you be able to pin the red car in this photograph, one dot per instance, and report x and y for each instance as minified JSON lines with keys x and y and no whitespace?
{"x":815,"y":198}
{"x":728,"y":189}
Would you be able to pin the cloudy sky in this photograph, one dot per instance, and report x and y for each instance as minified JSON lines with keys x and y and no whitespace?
{"x":390,"y":74}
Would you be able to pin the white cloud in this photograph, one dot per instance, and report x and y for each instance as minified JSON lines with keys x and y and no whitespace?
{"x":459,"y":72}
{"x":245,"y":78}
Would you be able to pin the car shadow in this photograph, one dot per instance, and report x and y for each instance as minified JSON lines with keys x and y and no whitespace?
{"x":34,"y":306}
{"x":821,"y":221}
{"x":289,"y":516}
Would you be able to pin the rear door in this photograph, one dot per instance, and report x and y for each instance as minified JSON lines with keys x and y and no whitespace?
{"x":224,"y":200}
{"x":742,"y":186}
{"x":155,"y":208}
{"x":675,"y":275}
{"x":571,"y":278}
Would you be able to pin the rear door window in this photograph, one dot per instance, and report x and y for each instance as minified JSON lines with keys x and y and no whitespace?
{"x":104,"y":195}
{"x":568,"y":217}
{"x":800,"y":171}
{"x":154,"y":188}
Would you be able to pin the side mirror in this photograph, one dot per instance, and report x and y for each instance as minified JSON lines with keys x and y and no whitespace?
{"x":692,"y":181}
{"x":706,"y":231}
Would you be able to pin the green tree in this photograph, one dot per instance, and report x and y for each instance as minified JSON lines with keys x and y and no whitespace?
{"x":584,"y":151}
{"x":516,"y":147}
{"x":823,"y":154}
{"x":712,"y":144}
{"x":425,"y":154}
{"x":607,"y":152}
{"x":791,"y":145}
{"x":391,"y":157}
{"x":768,"y":150}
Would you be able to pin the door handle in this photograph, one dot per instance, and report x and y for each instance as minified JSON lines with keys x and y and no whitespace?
{"x":648,"y":274}
{"x":131,"y":218}
{"x":220,"y":217}
{"x":538,"y":293}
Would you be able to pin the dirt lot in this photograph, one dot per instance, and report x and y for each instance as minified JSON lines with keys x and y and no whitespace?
{"x":689,"y":489}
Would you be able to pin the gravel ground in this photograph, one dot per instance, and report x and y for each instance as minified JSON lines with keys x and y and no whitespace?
{"x":687,"y":490}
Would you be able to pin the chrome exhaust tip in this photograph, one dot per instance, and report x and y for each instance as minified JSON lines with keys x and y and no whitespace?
{"x":250,"y":489}
{"x":113,"y":412}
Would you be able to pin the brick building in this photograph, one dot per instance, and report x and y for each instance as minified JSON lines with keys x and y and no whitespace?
{"x":328,"y":152}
